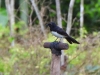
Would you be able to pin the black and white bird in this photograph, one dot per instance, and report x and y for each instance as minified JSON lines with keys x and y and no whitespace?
{"x":60,"y":33}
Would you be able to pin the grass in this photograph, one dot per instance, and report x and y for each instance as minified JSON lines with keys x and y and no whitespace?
{"x":28,"y":57}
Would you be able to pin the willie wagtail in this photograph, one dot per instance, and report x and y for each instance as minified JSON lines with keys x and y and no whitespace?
{"x":60,"y":33}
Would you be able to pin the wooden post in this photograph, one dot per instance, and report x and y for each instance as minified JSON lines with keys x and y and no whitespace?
{"x":55,"y":65}
{"x":56,"y":48}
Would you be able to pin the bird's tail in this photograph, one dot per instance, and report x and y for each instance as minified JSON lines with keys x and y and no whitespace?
{"x":71,"y":40}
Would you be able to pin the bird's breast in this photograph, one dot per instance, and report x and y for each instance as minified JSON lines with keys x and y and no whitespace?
{"x":56,"y":34}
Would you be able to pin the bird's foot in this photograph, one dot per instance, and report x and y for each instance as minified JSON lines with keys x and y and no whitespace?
{"x":56,"y":40}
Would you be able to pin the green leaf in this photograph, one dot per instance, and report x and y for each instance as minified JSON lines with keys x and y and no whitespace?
{"x":11,"y":39}
{"x":52,"y":14}
{"x":3,"y":17}
{"x":91,"y":68}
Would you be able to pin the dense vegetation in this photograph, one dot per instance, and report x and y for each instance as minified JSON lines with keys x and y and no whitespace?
{"x":28,"y":57}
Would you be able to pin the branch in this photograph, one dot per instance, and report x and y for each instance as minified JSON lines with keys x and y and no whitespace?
{"x":60,"y":45}
{"x":51,"y":10}
{"x":70,"y":14}
{"x":39,"y":16}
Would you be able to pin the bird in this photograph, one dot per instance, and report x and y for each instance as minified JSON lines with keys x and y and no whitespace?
{"x":60,"y":33}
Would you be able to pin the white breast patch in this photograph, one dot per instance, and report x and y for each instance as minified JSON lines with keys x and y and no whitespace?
{"x":56,"y":34}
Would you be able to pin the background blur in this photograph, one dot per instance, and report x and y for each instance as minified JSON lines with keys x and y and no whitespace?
{"x":23,"y":32}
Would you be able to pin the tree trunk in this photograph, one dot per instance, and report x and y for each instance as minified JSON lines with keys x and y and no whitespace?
{"x":39,"y":16}
{"x":59,"y":18}
{"x":10,"y":11}
{"x":81,"y":17}
{"x":70,"y":14}
{"x":59,"y":22}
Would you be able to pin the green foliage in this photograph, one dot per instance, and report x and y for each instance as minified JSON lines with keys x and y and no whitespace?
{"x":16,"y":54}
{"x":51,"y":38}
{"x":63,"y":23}
{"x":84,"y":32}
{"x":19,"y":27}
{"x":19,"y":53}
{"x":11,"y":39}
{"x":5,"y":66}
{"x":24,"y":59}
{"x":92,"y":15}
{"x":4,"y":31}
{"x":52,"y":14}
{"x":3,"y":17}
{"x":44,"y":64}
{"x":91,"y":68}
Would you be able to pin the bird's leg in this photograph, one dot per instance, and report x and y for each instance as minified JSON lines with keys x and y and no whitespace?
{"x":60,"y":40}
{"x":56,"y":39}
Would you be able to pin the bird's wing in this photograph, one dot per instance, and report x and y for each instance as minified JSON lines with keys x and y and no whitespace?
{"x":62,"y":32}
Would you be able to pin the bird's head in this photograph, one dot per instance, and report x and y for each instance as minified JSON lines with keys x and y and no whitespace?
{"x":51,"y":24}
